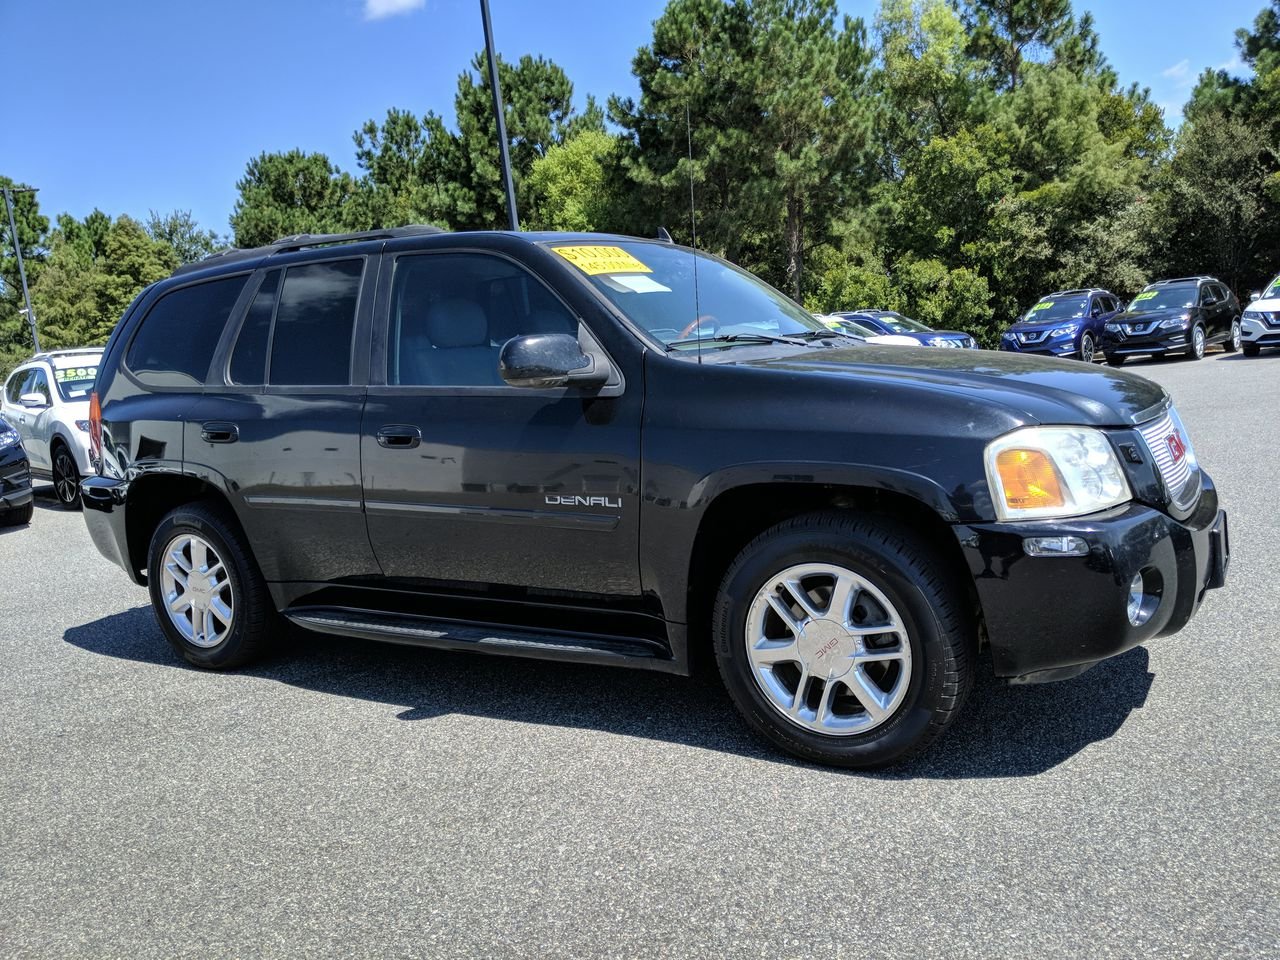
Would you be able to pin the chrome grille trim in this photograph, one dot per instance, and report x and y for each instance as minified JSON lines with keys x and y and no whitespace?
{"x":1181,"y":478}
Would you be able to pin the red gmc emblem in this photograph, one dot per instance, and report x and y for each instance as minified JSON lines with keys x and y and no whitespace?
{"x":1177,"y":448}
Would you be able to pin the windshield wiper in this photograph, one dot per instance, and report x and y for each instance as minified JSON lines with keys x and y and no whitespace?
{"x":809,"y":335}
{"x":735,"y":338}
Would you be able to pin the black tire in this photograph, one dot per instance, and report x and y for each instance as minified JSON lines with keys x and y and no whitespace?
{"x":66,"y":476}
{"x":1115,"y":360}
{"x":1251,"y":349}
{"x":17,"y":516}
{"x":255,"y":619}
{"x":1196,"y":350}
{"x":1233,"y":341}
{"x":930,"y":600}
{"x":1088,"y":347}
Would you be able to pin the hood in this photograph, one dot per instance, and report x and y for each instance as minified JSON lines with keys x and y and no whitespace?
{"x":1041,"y":388}
{"x":1264,"y":304}
{"x":1022,"y":325}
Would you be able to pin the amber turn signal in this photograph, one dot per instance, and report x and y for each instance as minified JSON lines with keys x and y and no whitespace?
{"x":1029,"y":479}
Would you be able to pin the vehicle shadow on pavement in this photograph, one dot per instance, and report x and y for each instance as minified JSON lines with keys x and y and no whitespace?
{"x":1003,"y":731}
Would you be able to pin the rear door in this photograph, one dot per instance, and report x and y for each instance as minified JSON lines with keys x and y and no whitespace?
{"x":37,"y":421}
{"x":278,"y":427}
{"x":467,"y":479}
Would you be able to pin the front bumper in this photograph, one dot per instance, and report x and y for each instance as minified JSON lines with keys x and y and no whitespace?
{"x":1064,"y":346}
{"x":15,"y":478}
{"x":103,"y":503}
{"x":1158,"y":341}
{"x":1259,"y":333}
{"x":1052,"y":618}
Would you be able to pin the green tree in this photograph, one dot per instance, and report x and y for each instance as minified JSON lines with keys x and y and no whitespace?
{"x":575,"y":185}
{"x":1004,"y":34}
{"x":33,"y":229}
{"x":282,"y":194}
{"x":179,"y":231}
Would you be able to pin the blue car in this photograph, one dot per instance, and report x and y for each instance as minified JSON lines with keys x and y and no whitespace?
{"x":891,"y":323}
{"x":1063,"y":324}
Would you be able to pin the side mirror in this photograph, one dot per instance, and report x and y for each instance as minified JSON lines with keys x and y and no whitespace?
{"x":548,"y":360}
{"x":1255,"y":295}
{"x":33,"y":400}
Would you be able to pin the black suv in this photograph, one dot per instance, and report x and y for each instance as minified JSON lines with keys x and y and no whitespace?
{"x":620,"y":451}
{"x":1180,"y":316}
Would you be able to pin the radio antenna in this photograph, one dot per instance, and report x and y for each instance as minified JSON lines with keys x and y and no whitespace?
{"x":693,"y":231}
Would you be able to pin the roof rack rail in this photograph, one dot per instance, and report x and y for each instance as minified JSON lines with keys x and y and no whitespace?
{"x":1182,"y":280}
{"x":301,"y":241}
{"x":65,"y":352}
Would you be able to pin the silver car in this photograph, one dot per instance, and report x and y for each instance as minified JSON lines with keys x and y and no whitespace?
{"x":46,"y":400}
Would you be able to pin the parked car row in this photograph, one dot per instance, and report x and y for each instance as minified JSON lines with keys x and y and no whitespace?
{"x":891,"y":327}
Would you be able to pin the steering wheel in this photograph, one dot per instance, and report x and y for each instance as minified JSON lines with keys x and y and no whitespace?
{"x":705,"y":318}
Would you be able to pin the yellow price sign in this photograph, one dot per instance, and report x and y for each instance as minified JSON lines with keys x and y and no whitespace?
{"x":1145,"y":295}
{"x":593,"y":260}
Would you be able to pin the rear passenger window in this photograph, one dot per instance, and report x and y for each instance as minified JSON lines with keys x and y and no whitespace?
{"x":311,"y":344}
{"x":174,"y":345}
{"x":249,"y":359}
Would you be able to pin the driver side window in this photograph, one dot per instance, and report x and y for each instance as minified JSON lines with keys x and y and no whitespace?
{"x":39,"y":383}
{"x":18,"y":386}
{"x":451,"y":313}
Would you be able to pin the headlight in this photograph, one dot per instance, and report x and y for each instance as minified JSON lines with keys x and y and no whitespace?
{"x":1040,"y":472}
{"x":1252,"y":315}
{"x":1111,"y":327}
{"x":8,"y":437}
{"x":1065,"y":329}
{"x":1177,"y":321}
{"x":942,"y":342}
{"x":82,"y":426}
{"x":1010,"y":335}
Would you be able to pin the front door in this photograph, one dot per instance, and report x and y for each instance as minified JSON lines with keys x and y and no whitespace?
{"x":469,"y":480}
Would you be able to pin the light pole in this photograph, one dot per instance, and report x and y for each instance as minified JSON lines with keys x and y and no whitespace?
{"x":498,"y":113}
{"x":22,"y":271}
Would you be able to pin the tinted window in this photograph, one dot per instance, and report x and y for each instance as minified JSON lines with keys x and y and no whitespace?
{"x":17,"y":383}
{"x":451,"y":314}
{"x":249,"y":359}
{"x":175,"y":344}
{"x":311,"y":344}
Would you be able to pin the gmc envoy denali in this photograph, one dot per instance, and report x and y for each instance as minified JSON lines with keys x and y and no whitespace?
{"x":620,"y":451}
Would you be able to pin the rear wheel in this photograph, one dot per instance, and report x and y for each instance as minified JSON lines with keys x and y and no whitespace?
{"x":1252,"y":349}
{"x":1088,"y":347}
{"x":1196,"y":350}
{"x":207,"y":593}
{"x":17,"y":516}
{"x":844,"y":640}
{"x":66,"y":477}
{"x":1233,"y":341}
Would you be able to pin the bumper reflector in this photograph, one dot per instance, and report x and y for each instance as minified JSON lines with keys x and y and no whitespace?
{"x":1055,"y":547}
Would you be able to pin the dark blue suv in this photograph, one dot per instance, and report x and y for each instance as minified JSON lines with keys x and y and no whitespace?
{"x":1063,"y":324}
{"x":893,"y":323}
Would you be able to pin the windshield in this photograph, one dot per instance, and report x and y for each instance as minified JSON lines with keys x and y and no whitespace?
{"x":846,"y":325}
{"x":900,"y":324}
{"x":1057,"y":310}
{"x":653,"y":284}
{"x":1164,"y":298}
{"x":75,"y":383}
{"x":1273,"y":289}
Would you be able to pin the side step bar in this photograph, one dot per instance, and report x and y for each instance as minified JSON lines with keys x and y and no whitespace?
{"x":482,"y":637}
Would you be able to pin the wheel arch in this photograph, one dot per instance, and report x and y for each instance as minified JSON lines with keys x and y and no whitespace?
{"x":152,"y":496}
{"x":739,"y":514}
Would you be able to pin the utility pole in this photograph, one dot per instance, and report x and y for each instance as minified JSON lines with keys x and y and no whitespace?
{"x":22,"y":271}
{"x":499,"y":115}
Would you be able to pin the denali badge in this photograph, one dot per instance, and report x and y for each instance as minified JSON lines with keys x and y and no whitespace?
{"x":555,"y":500}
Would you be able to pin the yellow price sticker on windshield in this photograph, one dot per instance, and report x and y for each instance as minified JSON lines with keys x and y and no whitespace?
{"x":1042,"y":306}
{"x":595,"y":260}
{"x":1145,"y":295}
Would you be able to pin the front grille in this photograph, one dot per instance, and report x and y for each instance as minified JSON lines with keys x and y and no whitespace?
{"x":1180,"y":475}
{"x":1139,"y":327}
{"x":1033,"y":336}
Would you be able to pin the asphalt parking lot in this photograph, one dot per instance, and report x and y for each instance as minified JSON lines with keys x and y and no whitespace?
{"x":355,"y":799}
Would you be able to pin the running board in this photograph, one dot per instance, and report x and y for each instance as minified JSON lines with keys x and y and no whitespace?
{"x":481,"y":637}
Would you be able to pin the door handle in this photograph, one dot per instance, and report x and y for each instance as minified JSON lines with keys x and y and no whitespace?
{"x":399,"y":436}
{"x":216,"y":431}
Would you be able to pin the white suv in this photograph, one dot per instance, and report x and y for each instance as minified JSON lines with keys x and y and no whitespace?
{"x":46,"y":400}
{"x":1260,"y":322}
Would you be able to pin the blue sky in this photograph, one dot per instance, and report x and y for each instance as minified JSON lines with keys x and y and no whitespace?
{"x":155,"y":104}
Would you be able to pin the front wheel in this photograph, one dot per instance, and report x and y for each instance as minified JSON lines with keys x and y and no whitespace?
{"x":66,"y":477}
{"x":17,"y":516}
{"x":1115,"y":360}
{"x":844,"y":640}
{"x":1087,"y":347}
{"x":1196,"y":350}
{"x":1252,"y":349}
{"x":206,"y":590}
{"x":1233,"y":342}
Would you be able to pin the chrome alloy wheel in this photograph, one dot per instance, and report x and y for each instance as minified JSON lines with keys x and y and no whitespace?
{"x":828,"y":649}
{"x":197,"y":591}
{"x":1197,"y":342}
{"x":1236,"y":337}
{"x":66,"y":478}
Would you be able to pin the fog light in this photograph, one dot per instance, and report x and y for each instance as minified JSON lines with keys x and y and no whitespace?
{"x":1135,"y":600}
{"x":1055,"y":547}
{"x":1145,"y":590}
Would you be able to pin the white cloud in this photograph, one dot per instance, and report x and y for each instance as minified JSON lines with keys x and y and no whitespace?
{"x":379,"y":9}
{"x":1178,"y":71}
{"x":1234,"y":66}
